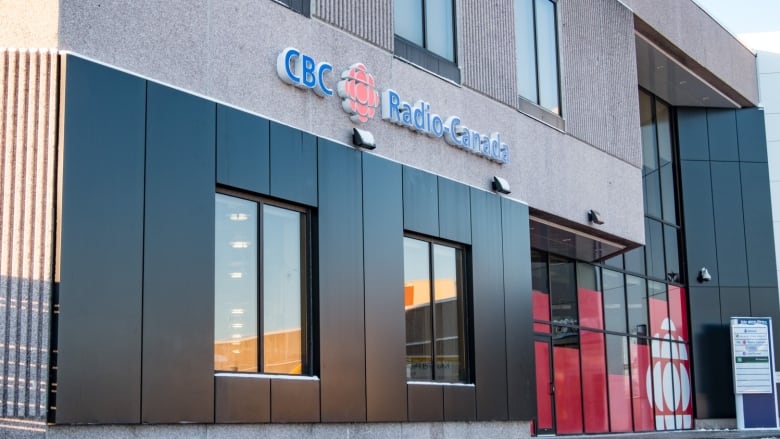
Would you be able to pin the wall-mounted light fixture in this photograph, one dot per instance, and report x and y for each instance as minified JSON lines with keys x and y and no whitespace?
{"x":363,"y":138}
{"x":704,"y":275}
{"x":500,"y":185}
{"x":595,"y":217}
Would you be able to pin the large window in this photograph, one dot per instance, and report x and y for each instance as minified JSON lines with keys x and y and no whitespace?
{"x":435,"y":304}
{"x":536,"y":47}
{"x":425,"y":34}
{"x":260,"y":287}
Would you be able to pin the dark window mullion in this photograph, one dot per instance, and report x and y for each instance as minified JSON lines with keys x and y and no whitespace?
{"x":536,"y":54}
{"x":422,"y":23}
{"x":432,"y":292}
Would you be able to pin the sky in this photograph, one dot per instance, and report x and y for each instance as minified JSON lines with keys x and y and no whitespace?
{"x":756,"y":22}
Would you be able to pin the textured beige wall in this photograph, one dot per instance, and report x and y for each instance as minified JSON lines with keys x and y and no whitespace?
{"x":28,"y":111}
{"x":29,"y":23}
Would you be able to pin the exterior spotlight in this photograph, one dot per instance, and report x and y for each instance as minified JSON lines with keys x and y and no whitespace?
{"x":704,"y":275}
{"x":363,"y":138}
{"x":595,"y":217}
{"x":501,"y":186}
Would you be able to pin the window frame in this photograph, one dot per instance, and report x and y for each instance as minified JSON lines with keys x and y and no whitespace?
{"x":306,"y":252}
{"x":464,"y":306}
{"x":302,"y":7}
{"x":423,"y":57}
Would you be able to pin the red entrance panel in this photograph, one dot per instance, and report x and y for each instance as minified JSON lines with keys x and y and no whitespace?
{"x":568,"y":396}
{"x":541,"y":310}
{"x":594,"y":367}
{"x":620,"y":403}
{"x":641,"y":386}
{"x":543,"y":398}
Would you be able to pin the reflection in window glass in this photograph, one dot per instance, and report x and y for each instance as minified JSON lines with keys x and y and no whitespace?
{"x":547,"y":55}
{"x":659,"y":308}
{"x":438,"y":28}
{"x":408,"y":20}
{"x":282,"y":292}
{"x":448,"y":314}
{"x":235,"y":285}
{"x":614,"y":301}
{"x":417,"y":304}
{"x":635,"y":260}
{"x":525,"y":49}
{"x":563,"y":291}
{"x":636,"y":297}
{"x":619,"y":384}
{"x":672,"y":255}
{"x":589,"y":296}
{"x":654,"y":249}
{"x":650,"y":173}
{"x":665,"y":162}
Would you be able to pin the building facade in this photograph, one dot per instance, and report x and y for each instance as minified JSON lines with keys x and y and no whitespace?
{"x":406,"y":218}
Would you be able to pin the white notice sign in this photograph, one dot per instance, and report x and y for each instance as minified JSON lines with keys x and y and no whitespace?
{"x":750,"y":348}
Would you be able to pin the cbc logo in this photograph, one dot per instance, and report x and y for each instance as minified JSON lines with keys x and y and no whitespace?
{"x":360,"y":96}
{"x":669,"y":378}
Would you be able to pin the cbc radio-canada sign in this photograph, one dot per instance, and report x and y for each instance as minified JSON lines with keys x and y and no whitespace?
{"x":361,"y":98}
{"x":668,"y":379}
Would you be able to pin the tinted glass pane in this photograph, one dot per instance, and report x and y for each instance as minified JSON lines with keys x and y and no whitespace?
{"x":589,"y":296}
{"x":678,"y":313}
{"x":449,"y":327}
{"x":672,"y":253}
{"x":525,"y":49}
{"x":408,"y":20}
{"x":641,"y":389}
{"x":615,"y":262}
{"x":654,"y":249}
{"x":417,"y":304}
{"x":619,"y":384}
{"x":282,"y":291}
{"x":439,"y":29}
{"x":659,"y":309}
{"x":665,"y":162}
{"x":614,"y":301}
{"x":683,"y":393}
{"x":563,"y":291}
{"x":671,"y":385}
{"x":547,"y":55}
{"x":235,"y":285}
{"x":567,"y":379}
{"x":635,"y":260}
{"x":650,"y":172}
{"x":636,"y":298}
{"x":594,"y":382}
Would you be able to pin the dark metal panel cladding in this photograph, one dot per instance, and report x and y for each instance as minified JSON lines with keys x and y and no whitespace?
{"x":426,"y":403}
{"x":710,"y":344}
{"x":692,"y":134}
{"x":101,"y":265}
{"x":342,"y":335}
{"x":460,"y":404}
{"x":729,"y":223}
{"x":294,"y":400}
{"x":384,"y":275}
{"x":699,"y":224}
{"x":521,"y":373}
{"x":178,"y":323}
{"x":293,"y":165}
{"x":488,"y":305}
{"x":242,"y":150}
{"x":722,"y":129}
{"x":751,"y":135}
{"x":756,"y":202}
{"x":763,"y":303}
{"x":734,"y":301}
{"x":454,"y":211}
{"x":240,"y":399}
{"x":421,"y":202}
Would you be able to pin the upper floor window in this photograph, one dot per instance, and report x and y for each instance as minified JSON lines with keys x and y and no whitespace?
{"x":435,"y":305}
{"x":425,"y":34}
{"x":261,"y":287}
{"x":536,"y":43}
{"x":302,"y":7}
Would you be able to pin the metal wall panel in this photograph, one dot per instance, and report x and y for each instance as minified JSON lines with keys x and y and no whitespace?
{"x":699,"y":225}
{"x":371,"y":21}
{"x":729,"y":224}
{"x":734,"y":301}
{"x":764,"y":303}
{"x":518,"y":311}
{"x":710,"y":345}
{"x":454,"y":211}
{"x":342,"y":326}
{"x":421,"y":201}
{"x":488,"y":305}
{"x":722,"y":129}
{"x":751,"y":135}
{"x":293,"y":165}
{"x":29,"y":93}
{"x":384,"y":304}
{"x":295,"y":400}
{"x":240,"y":399}
{"x":178,"y":304}
{"x":692,"y":134}
{"x":756,"y":203}
{"x":426,"y":402}
{"x":243,"y":154}
{"x":101,"y":246}
{"x":460,"y":404}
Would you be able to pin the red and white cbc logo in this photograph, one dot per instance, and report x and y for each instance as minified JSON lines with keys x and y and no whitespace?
{"x":360,"y":98}
{"x":670,"y":380}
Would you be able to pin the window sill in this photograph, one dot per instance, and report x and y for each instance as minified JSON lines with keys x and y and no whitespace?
{"x":541,"y":114}
{"x":267,"y":376}
{"x":426,"y":60}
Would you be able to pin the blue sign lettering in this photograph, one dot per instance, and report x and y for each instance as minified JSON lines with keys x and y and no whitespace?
{"x":300,"y":70}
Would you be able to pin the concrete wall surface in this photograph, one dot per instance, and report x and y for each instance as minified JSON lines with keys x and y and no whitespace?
{"x":227,"y":51}
{"x":29,"y":23}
